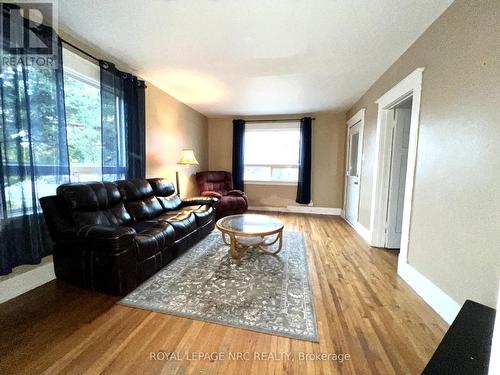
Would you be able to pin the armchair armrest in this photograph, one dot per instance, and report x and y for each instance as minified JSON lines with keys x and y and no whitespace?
{"x":238,"y":193}
{"x":195,"y":201}
{"x":210,"y":193}
{"x":107,"y":238}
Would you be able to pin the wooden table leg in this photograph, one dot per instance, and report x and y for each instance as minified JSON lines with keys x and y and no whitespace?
{"x":238,"y":250}
{"x":280,"y":242}
{"x":234,"y":248}
{"x":279,"y":239}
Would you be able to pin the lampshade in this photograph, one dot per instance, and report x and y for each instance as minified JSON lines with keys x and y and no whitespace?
{"x":187,"y":157}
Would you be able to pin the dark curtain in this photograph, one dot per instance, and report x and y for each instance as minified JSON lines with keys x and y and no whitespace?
{"x":238,"y":162}
{"x":33,"y":145}
{"x":304,"y":181}
{"x":123,"y":124}
{"x":135,"y":120}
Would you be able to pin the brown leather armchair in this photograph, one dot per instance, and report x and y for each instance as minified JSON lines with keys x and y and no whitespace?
{"x":219,"y":184}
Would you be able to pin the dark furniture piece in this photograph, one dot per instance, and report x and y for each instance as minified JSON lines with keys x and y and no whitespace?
{"x":465,"y":348}
{"x":110,"y":237}
{"x":219,"y":184}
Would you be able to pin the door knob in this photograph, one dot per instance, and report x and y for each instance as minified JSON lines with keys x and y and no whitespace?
{"x":356,"y":182}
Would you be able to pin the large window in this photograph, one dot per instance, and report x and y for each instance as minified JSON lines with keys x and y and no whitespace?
{"x":83,"y":117}
{"x":82,"y":96}
{"x":17,"y":154}
{"x":82,"y":102}
{"x":272,"y":152}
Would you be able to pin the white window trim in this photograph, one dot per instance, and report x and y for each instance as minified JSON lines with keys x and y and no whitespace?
{"x":272,"y":127}
{"x":280,"y":183}
{"x":81,"y":77}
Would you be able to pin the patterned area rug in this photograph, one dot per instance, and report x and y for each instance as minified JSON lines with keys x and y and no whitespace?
{"x":263,"y":293}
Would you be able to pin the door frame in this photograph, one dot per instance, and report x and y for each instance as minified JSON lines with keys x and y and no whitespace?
{"x":358,"y":117}
{"x":395,"y":178}
{"x":409,"y":86}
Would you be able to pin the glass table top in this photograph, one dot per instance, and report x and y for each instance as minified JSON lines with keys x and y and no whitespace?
{"x":250,"y":223}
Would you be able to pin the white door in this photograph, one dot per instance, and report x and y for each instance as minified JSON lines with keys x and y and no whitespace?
{"x":397,"y":181}
{"x":352,"y":174}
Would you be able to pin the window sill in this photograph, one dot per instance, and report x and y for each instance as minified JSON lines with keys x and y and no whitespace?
{"x":279,"y":183}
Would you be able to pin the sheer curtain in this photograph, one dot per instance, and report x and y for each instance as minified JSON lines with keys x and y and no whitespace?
{"x":33,"y":152}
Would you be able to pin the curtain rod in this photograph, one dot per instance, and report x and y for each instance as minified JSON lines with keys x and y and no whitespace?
{"x":280,"y":120}
{"x":6,"y":10}
{"x":79,"y":49}
{"x":86,"y":53}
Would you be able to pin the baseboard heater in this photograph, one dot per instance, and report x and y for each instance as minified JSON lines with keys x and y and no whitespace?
{"x":466,"y":347}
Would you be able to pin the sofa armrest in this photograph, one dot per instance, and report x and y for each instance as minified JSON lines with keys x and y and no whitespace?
{"x":107,"y":238}
{"x":209,"y":193}
{"x":196,"y":201}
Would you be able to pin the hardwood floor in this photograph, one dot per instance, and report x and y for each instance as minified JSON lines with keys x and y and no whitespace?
{"x":363,"y":310}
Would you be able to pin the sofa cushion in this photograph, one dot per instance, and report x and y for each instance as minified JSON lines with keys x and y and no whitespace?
{"x":89,"y":196}
{"x":162,"y":186}
{"x":139,"y":199}
{"x":202,"y":213}
{"x":165,"y":192}
{"x":152,"y":237}
{"x":184,"y":222}
{"x":94,"y":203}
{"x":170,"y":203}
{"x":116,"y":216}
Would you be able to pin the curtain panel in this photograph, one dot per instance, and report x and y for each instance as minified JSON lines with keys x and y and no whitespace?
{"x":304,"y":181}
{"x":34,"y":153}
{"x":135,"y":118}
{"x":33,"y":146}
{"x":123,"y":124}
{"x":238,"y":154}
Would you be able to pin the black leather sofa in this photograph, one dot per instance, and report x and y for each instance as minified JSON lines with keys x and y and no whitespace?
{"x":110,"y":237}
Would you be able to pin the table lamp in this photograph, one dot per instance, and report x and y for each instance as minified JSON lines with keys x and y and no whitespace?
{"x":187,"y":158}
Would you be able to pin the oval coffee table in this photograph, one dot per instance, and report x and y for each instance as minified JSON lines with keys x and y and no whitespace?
{"x":250,"y":230}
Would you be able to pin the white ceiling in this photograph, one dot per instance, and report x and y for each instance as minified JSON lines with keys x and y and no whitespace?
{"x":242,"y":57}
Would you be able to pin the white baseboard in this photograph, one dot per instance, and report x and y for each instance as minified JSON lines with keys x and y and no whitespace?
{"x":299,"y":209}
{"x":362,"y":231}
{"x":443,"y":304}
{"x":26,"y":281}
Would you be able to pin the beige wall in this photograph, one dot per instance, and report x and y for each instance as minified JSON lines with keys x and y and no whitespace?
{"x":455,"y":223}
{"x":170,"y":127}
{"x":328,"y":157}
